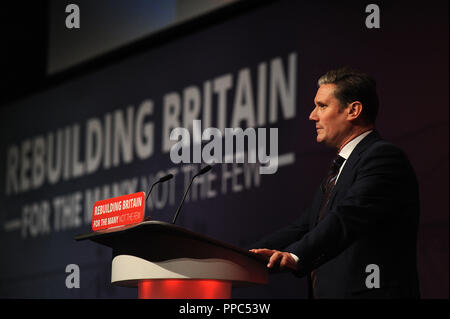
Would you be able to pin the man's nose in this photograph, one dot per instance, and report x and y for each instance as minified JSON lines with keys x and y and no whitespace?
{"x":313,"y":115}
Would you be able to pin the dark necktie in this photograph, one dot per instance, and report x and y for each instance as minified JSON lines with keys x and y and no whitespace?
{"x":327,"y":186}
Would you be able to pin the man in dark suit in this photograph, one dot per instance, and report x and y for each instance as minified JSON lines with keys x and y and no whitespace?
{"x":358,"y":237}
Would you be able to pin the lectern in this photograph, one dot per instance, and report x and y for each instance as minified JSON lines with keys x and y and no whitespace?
{"x":167,"y":261}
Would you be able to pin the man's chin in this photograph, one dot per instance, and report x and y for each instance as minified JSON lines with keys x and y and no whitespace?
{"x":322,"y":141}
{"x":319,"y":139}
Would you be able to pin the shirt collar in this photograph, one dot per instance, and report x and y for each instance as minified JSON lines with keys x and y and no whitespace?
{"x":350,"y":146}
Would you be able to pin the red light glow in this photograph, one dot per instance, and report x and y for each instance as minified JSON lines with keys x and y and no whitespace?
{"x":184,"y":289}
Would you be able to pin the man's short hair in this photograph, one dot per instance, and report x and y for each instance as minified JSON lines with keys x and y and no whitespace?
{"x":354,"y":86}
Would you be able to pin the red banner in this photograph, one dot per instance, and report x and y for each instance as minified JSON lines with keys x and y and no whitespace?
{"x":118,"y":211}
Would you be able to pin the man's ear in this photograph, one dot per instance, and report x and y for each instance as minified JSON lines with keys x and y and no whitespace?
{"x":354,"y":110}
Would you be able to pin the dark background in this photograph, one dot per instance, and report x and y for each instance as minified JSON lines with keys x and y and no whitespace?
{"x":408,"y":56}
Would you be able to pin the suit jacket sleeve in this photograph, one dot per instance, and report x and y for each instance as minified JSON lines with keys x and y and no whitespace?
{"x":378,"y":195}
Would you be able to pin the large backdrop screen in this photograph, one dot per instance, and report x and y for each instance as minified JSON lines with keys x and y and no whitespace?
{"x":107,"y":133}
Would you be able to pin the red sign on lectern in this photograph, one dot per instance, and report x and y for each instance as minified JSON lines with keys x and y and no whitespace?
{"x":118,"y":211}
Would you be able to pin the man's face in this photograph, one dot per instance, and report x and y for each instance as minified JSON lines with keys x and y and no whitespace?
{"x":331,"y":123}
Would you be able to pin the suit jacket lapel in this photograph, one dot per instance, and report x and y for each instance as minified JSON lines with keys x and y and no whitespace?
{"x":347,"y":172}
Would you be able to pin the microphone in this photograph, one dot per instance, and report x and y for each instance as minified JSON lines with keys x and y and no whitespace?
{"x":162,"y":179}
{"x":204,"y":170}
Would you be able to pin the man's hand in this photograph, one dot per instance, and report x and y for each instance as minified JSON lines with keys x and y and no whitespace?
{"x":281,"y":258}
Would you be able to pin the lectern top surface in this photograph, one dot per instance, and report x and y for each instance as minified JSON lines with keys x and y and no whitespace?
{"x":156,"y":234}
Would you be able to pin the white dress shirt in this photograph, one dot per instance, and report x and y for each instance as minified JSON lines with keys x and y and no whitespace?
{"x":348,"y":149}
